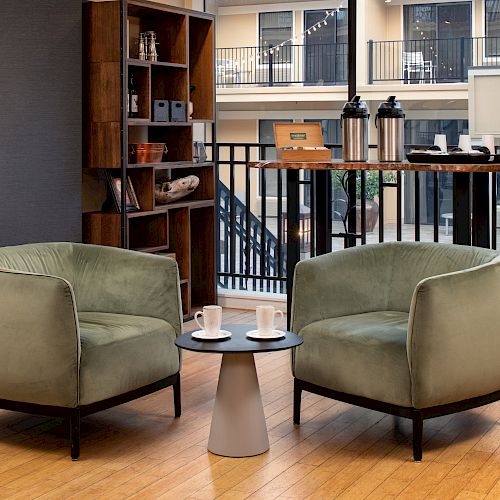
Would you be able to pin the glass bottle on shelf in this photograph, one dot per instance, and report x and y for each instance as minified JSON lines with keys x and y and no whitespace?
{"x":133,"y":99}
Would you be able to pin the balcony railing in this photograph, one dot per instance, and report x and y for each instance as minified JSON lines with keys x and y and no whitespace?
{"x":314,"y":64}
{"x":430,"y":61}
{"x":252,"y":233}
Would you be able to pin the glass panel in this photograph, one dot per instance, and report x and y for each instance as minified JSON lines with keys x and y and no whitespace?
{"x":325,"y":49}
{"x":421,"y":132}
{"x":492,"y":28}
{"x":438,"y":45}
{"x":274,"y":29}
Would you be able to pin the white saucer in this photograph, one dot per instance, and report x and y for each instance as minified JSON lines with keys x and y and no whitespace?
{"x":277,"y":334}
{"x":202,"y":335}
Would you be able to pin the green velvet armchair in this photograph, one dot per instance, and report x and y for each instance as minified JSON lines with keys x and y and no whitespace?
{"x":410,"y":329}
{"x":84,"y":328}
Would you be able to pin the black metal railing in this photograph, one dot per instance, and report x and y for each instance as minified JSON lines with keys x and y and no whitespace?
{"x":313,"y":64}
{"x":430,"y":61}
{"x":255,"y":259}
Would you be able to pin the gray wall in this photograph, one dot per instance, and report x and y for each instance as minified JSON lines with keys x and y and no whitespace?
{"x":40,"y":120}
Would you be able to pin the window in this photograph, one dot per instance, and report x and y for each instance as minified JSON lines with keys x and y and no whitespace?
{"x":326,"y":48}
{"x":438,"y":37}
{"x":492,"y":47}
{"x":274,"y":29}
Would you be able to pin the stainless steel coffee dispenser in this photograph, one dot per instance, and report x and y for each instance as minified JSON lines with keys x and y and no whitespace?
{"x":354,"y":122}
{"x":390,"y":121}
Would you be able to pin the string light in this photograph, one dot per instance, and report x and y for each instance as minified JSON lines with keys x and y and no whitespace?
{"x":300,"y":37}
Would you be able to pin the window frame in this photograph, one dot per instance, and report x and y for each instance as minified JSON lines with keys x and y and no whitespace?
{"x":259,"y":63}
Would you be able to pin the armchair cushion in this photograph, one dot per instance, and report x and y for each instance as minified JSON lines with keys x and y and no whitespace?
{"x":120,"y":352}
{"x":361,"y":354}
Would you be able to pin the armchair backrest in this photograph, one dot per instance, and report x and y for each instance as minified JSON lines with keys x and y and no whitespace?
{"x":379,"y":277}
{"x":410,"y":263}
{"x":54,"y":259}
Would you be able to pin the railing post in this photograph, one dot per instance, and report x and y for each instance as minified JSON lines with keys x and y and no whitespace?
{"x":370,"y":61}
{"x":270,"y":64}
{"x":462,"y":59}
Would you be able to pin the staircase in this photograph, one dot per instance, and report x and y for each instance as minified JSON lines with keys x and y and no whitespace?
{"x":254,"y":252}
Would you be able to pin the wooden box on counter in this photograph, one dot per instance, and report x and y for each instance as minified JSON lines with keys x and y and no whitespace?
{"x":300,"y":135}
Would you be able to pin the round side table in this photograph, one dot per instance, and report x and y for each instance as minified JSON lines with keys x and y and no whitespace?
{"x":238,"y":424}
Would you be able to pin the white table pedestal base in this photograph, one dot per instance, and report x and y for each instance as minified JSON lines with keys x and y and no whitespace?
{"x":238,"y":424}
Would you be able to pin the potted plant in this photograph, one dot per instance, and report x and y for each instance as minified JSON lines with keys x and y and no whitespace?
{"x":371,"y":191}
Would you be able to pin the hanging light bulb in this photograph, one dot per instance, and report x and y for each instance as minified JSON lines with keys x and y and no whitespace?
{"x":314,"y":28}
{"x":271,"y":51}
{"x":308,"y":31}
{"x":324,"y":22}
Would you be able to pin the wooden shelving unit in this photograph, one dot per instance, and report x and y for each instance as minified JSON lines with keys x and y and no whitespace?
{"x":184,"y":72}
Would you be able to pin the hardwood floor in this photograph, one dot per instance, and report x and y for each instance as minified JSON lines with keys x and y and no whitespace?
{"x":139,"y":451}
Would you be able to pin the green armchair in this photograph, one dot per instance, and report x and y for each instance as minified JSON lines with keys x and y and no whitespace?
{"x":84,"y":328}
{"x":410,"y":329}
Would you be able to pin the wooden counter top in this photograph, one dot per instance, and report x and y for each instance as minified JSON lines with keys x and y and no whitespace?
{"x":376,"y":165}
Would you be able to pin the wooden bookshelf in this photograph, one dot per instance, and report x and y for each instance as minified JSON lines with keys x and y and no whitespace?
{"x":184,"y":72}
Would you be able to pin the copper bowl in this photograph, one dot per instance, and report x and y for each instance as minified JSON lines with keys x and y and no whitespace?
{"x":148,"y":152}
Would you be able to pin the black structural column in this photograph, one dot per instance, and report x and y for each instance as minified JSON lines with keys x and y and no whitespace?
{"x":323,"y":212}
{"x":481,"y":209}
{"x":350,"y":241}
{"x":461,"y":209}
{"x":292,"y":234}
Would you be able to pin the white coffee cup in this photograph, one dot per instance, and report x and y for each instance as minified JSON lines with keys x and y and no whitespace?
{"x":440,"y":140}
{"x":265,"y":319}
{"x":465,"y":143}
{"x":489,"y":142}
{"x":212,"y":319}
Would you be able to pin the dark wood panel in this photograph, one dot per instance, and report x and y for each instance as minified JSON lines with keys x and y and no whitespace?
{"x":201,"y":67}
{"x":180,"y":240}
{"x":104,"y":97}
{"x":203,"y":289}
{"x":102,"y":32}
{"x":101,"y":229}
{"x":149,"y":232}
{"x":102,"y":145}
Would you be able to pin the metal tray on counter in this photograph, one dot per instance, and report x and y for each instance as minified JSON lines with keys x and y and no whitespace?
{"x":452,"y":158}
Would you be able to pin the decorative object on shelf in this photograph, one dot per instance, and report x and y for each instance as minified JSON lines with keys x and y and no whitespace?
{"x":115,"y":184}
{"x":133,"y":98}
{"x":199,"y":152}
{"x":160,"y":110}
{"x":192,"y":88}
{"x":147,"y":152}
{"x":151,"y":52}
{"x":142,"y":47}
{"x":177,"y":111}
{"x":167,"y":190}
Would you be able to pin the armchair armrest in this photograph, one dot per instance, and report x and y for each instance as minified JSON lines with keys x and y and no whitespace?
{"x":39,"y":340}
{"x":126,"y":282}
{"x":454,"y":336}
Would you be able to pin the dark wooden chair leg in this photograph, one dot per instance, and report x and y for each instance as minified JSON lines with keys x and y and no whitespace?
{"x":177,"y":397}
{"x":418,"y":429}
{"x":74,"y":433}
{"x":297,"y":398}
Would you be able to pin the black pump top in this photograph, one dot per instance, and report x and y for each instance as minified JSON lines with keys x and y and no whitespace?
{"x":390,"y":108}
{"x":355,"y":108}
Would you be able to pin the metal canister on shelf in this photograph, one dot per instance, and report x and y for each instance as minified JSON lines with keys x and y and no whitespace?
{"x":354,"y":122}
{"x":391,"y":124}
{"x":152,"y":54}
{"x":142,"y":47}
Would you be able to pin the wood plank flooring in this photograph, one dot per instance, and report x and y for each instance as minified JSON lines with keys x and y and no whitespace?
{"x":139,"y":451}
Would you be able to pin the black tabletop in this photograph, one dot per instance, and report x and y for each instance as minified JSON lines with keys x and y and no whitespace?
{"x":238,"y":342}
